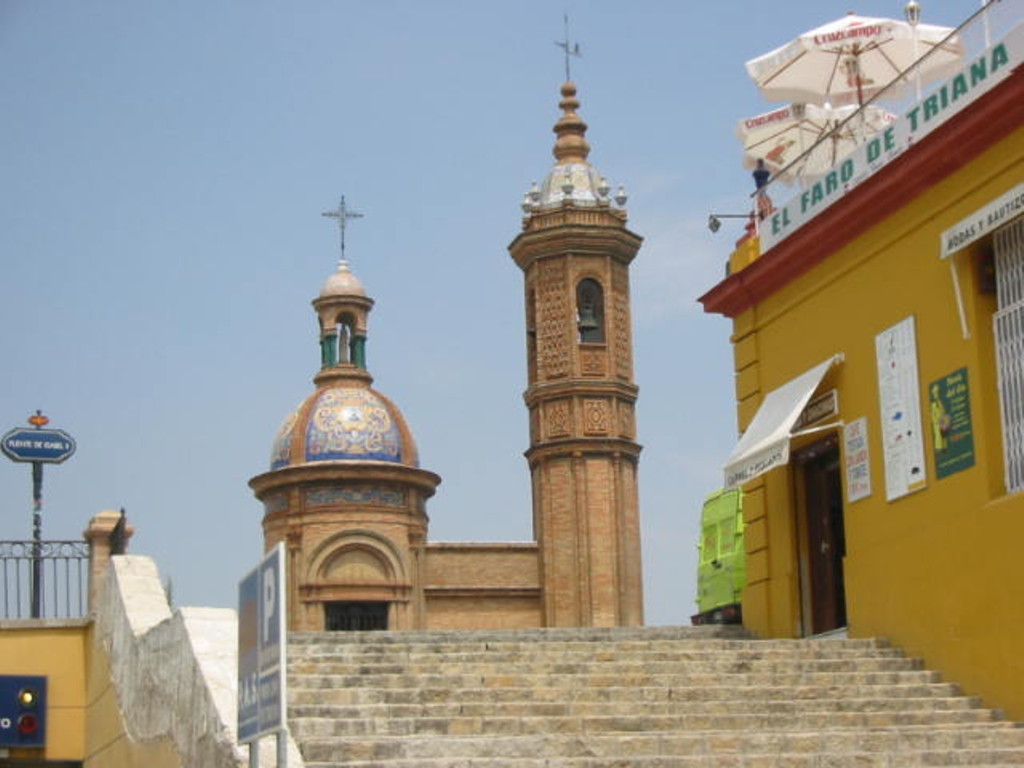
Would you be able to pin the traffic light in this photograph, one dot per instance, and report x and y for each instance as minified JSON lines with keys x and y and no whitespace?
{"x":28,"y":719}
{"x":22,"y":711}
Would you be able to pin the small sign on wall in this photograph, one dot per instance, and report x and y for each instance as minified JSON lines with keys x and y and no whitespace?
{"x":949,"y":410}
{"x":858,"y":464}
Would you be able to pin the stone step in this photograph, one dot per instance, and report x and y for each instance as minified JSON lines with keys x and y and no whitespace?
{"x":998,"y":743}
{"x":343,"y":643}
{"x":616,"y":693}
{"x":992,"y":758}
{"x":372,"y":642}
{"x":529,"y":707}
{"x":672,"y":652}
{"x":681,"y":679}
{"x":621,"y":667}
{"x":326,"y":725}
{"x":551,"y":634}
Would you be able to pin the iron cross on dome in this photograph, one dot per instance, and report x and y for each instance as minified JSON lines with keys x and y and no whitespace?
{"x":343,"y":215}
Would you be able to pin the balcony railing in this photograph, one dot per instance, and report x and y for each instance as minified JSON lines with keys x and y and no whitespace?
{"x":63,"y":573}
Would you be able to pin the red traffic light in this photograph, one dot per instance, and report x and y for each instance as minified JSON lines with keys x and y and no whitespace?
{"x":28,"y":724}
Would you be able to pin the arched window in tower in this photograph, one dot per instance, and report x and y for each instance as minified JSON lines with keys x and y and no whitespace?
{"x":590,"y":311}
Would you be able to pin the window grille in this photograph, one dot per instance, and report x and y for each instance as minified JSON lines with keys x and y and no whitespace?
{"x":1008,"y":325}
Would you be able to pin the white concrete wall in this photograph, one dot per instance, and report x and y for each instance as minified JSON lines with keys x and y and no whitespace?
{"x":175,"y":674}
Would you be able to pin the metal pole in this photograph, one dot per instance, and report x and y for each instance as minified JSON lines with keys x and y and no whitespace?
{"x":988,"y":29}
{"x":254,"y":753}
{"x":282,"y":748}
{"x":37,"y":530}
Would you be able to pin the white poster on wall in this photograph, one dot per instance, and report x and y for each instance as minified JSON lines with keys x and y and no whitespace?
{"x":858,"y":464}
{"x":899,"y":398}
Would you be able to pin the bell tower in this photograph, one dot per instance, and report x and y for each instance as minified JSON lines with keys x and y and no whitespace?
{"x":575,"y":252}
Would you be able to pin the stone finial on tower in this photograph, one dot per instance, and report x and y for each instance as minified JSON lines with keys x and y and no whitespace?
{"x":571,"y":145}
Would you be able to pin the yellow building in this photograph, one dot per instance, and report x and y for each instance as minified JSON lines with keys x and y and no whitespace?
{"x":879,"y":361}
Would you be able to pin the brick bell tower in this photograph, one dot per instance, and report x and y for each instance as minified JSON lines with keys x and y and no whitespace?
{"x":575,"y":252}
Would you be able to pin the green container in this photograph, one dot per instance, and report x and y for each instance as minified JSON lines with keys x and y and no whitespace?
{"x":722,"y":571}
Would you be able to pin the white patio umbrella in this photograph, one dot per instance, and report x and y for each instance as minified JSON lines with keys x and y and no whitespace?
{"x":783,"y":135}
{"x":852,"y":59}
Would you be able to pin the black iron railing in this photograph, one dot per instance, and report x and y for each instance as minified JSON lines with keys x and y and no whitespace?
{"x":62,"y":568}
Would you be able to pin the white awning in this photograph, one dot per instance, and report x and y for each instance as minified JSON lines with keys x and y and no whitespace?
{"x":765,"y":444}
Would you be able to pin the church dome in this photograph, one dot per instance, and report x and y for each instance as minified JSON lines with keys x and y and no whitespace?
{"x":345,"y":419}
{"x":344,"y":422}
{"x":342,"y":282}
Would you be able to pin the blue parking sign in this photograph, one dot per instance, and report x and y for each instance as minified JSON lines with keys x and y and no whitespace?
{"x":262,"y":691}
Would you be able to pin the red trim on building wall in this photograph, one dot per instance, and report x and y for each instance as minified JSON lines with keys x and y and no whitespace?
{"x":938,"y":155}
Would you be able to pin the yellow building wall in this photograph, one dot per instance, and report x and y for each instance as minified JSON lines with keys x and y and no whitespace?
{"x":55,"y":649}
{"x":83,"y":720}
{"x":936,"y":571}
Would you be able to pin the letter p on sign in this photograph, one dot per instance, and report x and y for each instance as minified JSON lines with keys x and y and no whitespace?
{"x":269,"y":601}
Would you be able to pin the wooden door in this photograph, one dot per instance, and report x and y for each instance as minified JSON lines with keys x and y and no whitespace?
{"x":825,"y":537}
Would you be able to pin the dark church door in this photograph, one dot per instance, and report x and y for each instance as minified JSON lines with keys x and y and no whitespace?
{"x":356,"y":617}
{"x":826,"y":539}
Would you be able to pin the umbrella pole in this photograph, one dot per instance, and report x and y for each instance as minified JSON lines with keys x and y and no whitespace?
{"x":855,"y":71}
{"x":988,"y":31}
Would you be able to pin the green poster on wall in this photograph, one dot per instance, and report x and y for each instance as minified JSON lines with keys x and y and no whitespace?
{"x":949,"y":404}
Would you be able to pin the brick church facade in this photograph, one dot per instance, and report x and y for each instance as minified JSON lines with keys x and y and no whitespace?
{"x":345,"y":492}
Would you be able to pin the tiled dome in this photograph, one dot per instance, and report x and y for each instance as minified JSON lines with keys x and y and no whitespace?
{"x":344,"y":423}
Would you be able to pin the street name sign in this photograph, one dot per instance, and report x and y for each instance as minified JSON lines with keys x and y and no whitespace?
{"x":51,"y":446}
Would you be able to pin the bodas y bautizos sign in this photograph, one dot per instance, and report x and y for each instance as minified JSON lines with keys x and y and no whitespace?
{"x":971,"y":82}
{"x":1002,"y":210}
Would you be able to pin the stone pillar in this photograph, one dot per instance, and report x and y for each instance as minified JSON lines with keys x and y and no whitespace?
{"x":97,"y":535}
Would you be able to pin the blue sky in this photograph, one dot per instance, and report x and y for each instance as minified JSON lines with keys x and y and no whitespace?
{"x":164,"y":167}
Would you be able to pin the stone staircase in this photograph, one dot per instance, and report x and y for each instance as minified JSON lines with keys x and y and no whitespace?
{"x":653,"y":697}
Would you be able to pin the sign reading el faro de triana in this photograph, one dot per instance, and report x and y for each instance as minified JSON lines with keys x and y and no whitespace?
{"x":975,"y":79}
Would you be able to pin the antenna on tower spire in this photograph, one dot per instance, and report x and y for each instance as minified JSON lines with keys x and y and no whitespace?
{"x":342,"y":214}
{"x":571,"y":49}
